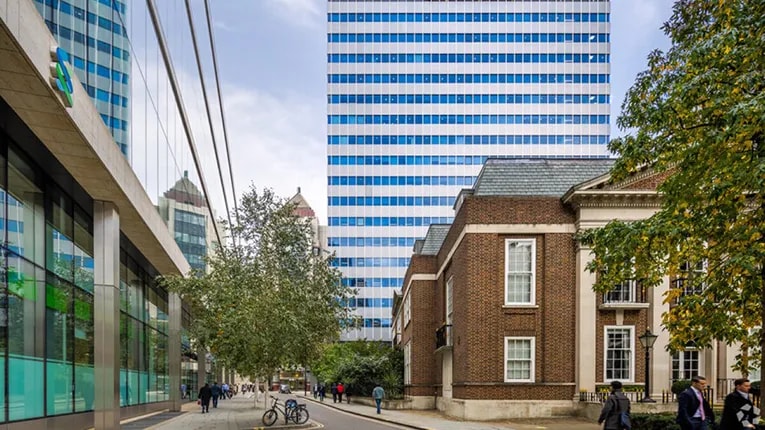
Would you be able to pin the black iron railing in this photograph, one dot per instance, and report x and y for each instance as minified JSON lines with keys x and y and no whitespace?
{"x":444,"y":336}
{"x":667,"y":396}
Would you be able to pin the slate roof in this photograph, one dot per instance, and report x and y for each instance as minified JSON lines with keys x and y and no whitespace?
{"x":434,"y":239}
{"x":536,"y":176}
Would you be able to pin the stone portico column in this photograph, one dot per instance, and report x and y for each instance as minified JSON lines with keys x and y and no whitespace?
{"x":586,"y":312}
{"x":106,"y":299}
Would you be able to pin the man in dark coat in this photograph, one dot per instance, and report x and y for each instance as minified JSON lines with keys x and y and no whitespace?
{"x":205,"y":394}
{"x":739,"y":412}
{"x":217,"y":391}
{"x":616,"y":403}
{"x":693,"y":410}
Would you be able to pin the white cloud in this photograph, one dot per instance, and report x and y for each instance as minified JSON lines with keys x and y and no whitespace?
{"x":305,"y":13}
{"x":224,"y":26}
{"x":277,"y":142}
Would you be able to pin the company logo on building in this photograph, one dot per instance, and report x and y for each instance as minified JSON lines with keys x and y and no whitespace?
{"x":61,"y":78}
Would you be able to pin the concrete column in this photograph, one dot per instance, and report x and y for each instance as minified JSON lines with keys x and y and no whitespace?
{"x":586,"y":313}
{"x":106,"y":241}
{"x":201,"y":369}
{"x":174,"y":351}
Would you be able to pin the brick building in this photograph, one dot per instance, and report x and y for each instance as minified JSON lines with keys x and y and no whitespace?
{"x":497,"y":317}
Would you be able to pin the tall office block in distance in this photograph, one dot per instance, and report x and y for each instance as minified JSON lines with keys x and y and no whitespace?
{"x":184,"y":209}
{"x":421,"y":93}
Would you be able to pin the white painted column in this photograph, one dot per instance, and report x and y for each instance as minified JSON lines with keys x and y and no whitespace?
{"x":586,"y":313}
{"x":661,"y":359}
{"x":106,"y":241}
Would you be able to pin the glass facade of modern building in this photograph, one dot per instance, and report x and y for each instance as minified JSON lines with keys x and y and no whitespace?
{"x":72,"y":209}
{"x":47,"y":291}
{"x":420,"y":93}
{"x":93,"y":33}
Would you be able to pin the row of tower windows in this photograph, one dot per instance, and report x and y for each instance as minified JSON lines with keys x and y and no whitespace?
{"x":400,"y":180}
{"x":469,"y":98}
{"x":468,"y":119}
{"x":382,"y":221}
{"x":468,"y":17}
{"x":468,"y":78}
{"x":391,"y":201}
{"x":361,"y":241}
{"x":468,"y":37}
{"x":468,"y":58}
{"x":517,"y":139}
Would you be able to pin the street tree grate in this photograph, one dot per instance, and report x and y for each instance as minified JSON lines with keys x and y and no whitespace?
{"x":153,"y":420}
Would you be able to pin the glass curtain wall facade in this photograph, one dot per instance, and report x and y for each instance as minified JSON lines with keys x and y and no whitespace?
{"x":93,"y":33}
{"x":421,"y":93}
{"x":46,"y":291}
{"x":46,"y":217}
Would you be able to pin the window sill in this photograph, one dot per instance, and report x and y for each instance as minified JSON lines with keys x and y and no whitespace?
{"x":623,"y":306}
{"x":520,"y":306}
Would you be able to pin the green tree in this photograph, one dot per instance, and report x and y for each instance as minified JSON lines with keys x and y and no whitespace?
{"x":697,"y":116}
{"x":270,"y":300}
{"x":361,"y":365}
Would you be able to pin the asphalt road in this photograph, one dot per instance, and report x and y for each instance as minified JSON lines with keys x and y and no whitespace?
{"x":339,"y":420}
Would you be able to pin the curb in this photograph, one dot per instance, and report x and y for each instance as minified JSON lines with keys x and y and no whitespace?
{"x":330,"y":405}
{"x":311,"y":425}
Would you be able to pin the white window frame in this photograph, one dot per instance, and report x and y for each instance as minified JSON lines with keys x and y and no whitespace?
{"x":631,"y":329}
{"x":532,"y":369}
{"x":679,"y":358}
{"x":407,"y":309}
{"x":449,"y":301}
{"x":408,"y":363}
{"x":690,"y":273}
{"x":625,"y":292}
{"x":532,"y":286}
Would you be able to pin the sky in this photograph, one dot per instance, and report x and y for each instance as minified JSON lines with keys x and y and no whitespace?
{"x":272,"y":61}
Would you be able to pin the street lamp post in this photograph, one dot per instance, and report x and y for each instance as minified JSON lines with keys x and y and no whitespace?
{"x":647,"y":340}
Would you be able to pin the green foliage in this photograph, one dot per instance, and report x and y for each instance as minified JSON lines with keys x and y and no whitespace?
{"x":680,"y":385}
{"x":627,"y":388}
{"x":654,"y":422}
{"x":361,"y":365}
{"x":269,"y":301}
{"x":697,"y":115}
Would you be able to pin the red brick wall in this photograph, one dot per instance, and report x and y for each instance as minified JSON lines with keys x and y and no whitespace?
{"x":636,"y":318}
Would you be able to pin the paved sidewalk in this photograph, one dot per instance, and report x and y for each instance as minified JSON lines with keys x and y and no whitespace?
{"x":237,"y":413}
{"x":434,"y":420}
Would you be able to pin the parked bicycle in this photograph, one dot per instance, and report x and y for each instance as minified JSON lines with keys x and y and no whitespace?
{"x":292,"y":411}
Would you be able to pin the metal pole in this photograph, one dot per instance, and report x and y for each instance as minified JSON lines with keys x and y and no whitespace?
{"x":647,"y":395}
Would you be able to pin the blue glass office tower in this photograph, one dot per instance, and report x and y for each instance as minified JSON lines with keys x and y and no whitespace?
{"x":91,"y":31}
{"x":420,"y":93}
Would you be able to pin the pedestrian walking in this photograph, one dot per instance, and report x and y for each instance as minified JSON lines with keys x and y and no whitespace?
{"x":378,"y":393}
{"x":739,"y":413}
{"x":340,"y":391}
{"x":205,"y":393}
{"x":616,"y":411}
{"x":183,"y":391}
{"x":322,"y":392}
{"x":693,"y":410}
{"x":348,"y":389}
{"x":334,"y":392}
{"x":216,"y":392}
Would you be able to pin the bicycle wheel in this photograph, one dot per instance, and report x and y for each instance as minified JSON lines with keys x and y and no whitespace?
{"x":299,"y":415}
{"x":269,"y":418}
